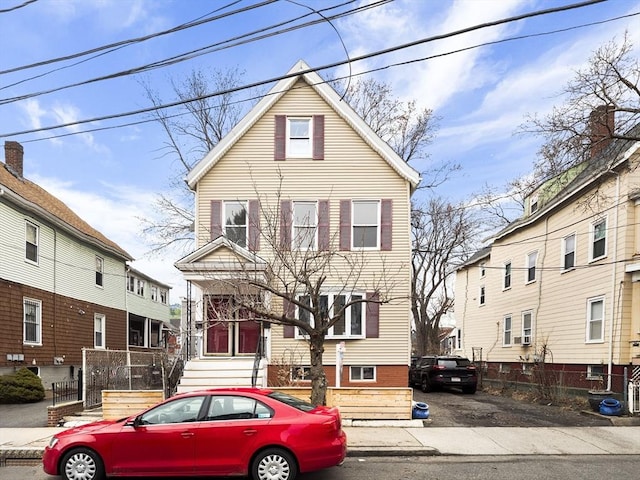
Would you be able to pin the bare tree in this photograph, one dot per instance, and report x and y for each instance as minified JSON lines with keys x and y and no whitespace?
{"x":288,"y":285}
{"x":443,"y":236}
{"x":607,"y":89}
{"x":198,"y":125}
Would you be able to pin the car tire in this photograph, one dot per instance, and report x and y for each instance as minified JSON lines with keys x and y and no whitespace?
{"x":82,"y":464}
{"x":274,"y":464}
{"x":470,"y":390}
{"x":426,"y":385}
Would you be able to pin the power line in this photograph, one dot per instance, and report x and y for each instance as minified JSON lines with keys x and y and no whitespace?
{"x":219,"y":46}
{"x":324,"y":67}
{"x":11,"y":9}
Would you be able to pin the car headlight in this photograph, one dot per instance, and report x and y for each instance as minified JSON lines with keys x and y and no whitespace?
{"x":53,"y":442}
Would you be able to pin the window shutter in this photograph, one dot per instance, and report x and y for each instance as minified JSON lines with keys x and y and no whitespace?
{"x":318,"y":137}
{"x":285,"y":224}
{"x":373,"y":316}
{"x":289,"y":310}
{"x":323,"y":225}
{"x":345,"y":224}
{"x":280,"y":140}
{"x":386,"y":223}
{"x":216,"y":219}
{"x":254,"y":225}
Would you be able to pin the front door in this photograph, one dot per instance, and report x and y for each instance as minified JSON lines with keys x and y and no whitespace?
{"x":230,"y":330}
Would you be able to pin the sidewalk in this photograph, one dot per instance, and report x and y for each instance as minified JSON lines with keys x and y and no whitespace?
{"x":387,"y":439}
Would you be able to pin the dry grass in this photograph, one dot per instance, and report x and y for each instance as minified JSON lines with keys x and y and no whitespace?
{"x":566,"y":402}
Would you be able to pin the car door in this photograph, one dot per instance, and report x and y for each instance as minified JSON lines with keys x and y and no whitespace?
{"x":230,"y":432}
{"x":161,"y":442}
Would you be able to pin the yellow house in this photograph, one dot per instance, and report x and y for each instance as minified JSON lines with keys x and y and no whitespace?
{"x":300,"y":173}
{"x":559,"y":288}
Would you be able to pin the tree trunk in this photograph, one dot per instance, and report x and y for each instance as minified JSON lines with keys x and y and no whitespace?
{"x":318,"y":377}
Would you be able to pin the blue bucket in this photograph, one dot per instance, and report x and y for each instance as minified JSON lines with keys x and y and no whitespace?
{"x":420,"y":410}
{"x":611,"y":407}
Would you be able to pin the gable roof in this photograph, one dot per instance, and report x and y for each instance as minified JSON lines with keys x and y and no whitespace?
{"x":614,"y":155}
{"x":40,"y":203}
{"x":302,"y":71}
{"x":196,"y":261}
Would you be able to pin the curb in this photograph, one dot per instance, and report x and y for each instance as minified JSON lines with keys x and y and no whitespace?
{"x":393,"y":452}
{"x":20,"y":455}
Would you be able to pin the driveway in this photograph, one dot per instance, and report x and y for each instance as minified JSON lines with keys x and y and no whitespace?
{"x":452,"y":408}
{"x":25,"y":415}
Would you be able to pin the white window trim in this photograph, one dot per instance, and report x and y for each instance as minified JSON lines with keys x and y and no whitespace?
{"x":528,"y":266}
{"x":37,"y":244}
{"x":362,"y":380}
{"x":504,"y":275}
{"x":154,"y":293}
{"x":313,"y":225}
{"x":482,"y":269}
{"x":592,"y":232}
{"x":245,"y":205}
{"x":510,"y":330}
{"x":306,"y":373}
{"x":101,"y":271}
{"x":595,"y":376}
{"x":309,"y":152}
{"x":590,"y":320}
{"x":482,"y":296}
{"x":524,"y":335}
{"x":378,"y":226}
{"x":164,"y":296}
{"x":563,"y":251}
{"x":103,"y":321}
{"x":347,"y":316}
{"x":38,"y":303}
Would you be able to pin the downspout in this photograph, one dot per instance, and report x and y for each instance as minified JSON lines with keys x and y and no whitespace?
{"x":614,"y":265}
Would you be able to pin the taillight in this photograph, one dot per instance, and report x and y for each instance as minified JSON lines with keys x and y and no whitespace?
{"x":439,"y":367}
{"x":471,"y":367}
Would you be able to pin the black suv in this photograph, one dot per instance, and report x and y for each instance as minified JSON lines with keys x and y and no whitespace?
{"x":436,"y":371}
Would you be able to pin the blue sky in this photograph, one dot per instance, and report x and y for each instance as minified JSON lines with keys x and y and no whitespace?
{"x":110,"y":177}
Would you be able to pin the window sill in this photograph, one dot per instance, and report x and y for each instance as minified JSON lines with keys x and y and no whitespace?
{"x":567,"y":270}
{"x":597,"y":259}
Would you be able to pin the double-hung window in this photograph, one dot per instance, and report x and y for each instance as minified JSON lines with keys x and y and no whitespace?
{"x":482,"y":299}
{"x":506,"y":331}
{"x":235,"y":222}
{"x":569,"y":251}
{"x":99,"y":271}
{"x":599,"y":239}
{"x":99,"y":322}
{"x":32,"y":332}
{"x":305,"y":225}
{"x":595,"y":320}
{"x":163,"y":296}
{"x":131,"y":284}
{"x":299,"y":136}
{"x":349,"y":323}
{"x":366,"y":224}
{"x":507,"y":276}
{"x":527,"y":327}
{"x":32,"y":241}
{"x":362,"y":374}
{"x":483,"y":270}
{"x":154,"y":293}
{"x":531,"y":266}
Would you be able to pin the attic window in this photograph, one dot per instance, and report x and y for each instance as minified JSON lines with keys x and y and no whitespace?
{"x":299,"y":132}
{"x":533,"y":203}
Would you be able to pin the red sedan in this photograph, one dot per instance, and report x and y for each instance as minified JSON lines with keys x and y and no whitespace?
{"x":264,"y":434}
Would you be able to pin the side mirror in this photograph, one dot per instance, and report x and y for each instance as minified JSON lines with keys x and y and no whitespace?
{"x":135,"y":422}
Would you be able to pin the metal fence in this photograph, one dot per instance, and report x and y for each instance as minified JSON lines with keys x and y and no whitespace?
{"x":67,"y":391}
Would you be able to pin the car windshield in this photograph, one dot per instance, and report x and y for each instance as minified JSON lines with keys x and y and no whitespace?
{"x":292,"y":401}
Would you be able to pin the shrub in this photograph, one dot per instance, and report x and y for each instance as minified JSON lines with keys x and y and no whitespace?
{"x":24,"y":386}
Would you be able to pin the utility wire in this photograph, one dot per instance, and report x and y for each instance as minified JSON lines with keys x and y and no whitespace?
{"x":324,"y":67}
{"x":225,"y":44}
{"x":11,"y":9}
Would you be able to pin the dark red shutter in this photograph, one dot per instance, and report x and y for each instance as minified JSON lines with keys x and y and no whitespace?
{"x":280,"y":137}
{"x":285,"y":224}
{"x":373,"y":315}
{"x":386,"y":224}
{"x":318,"y":137}
{"x":323,"y":225}
{"x":216,"y":219}
{"x":345,"y":224}
{"x":289,"y":310}
{"x":254,"y":225}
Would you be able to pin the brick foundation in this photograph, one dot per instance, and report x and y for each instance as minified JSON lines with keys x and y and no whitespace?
{"x":57,"y":413}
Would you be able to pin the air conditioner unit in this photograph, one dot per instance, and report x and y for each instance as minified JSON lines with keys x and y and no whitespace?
{"x":517,"y":340}
{"x":526,"y":340}
{"x":58,"y":360}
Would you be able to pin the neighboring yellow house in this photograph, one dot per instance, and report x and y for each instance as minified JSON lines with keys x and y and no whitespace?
{"x":302,"y":170}
{"x":560,"y":287}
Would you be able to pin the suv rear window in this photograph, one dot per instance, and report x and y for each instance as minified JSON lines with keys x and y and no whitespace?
{"x":453,"y":362}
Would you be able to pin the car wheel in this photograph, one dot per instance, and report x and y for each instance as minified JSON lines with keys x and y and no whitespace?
{"x":426,"y":385}
{"x":82,"y":464}
{"x":274,"y":464}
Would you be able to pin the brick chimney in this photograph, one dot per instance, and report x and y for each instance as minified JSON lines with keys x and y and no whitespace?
{"x":13,"y":157}
{"x":601,"y":125}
